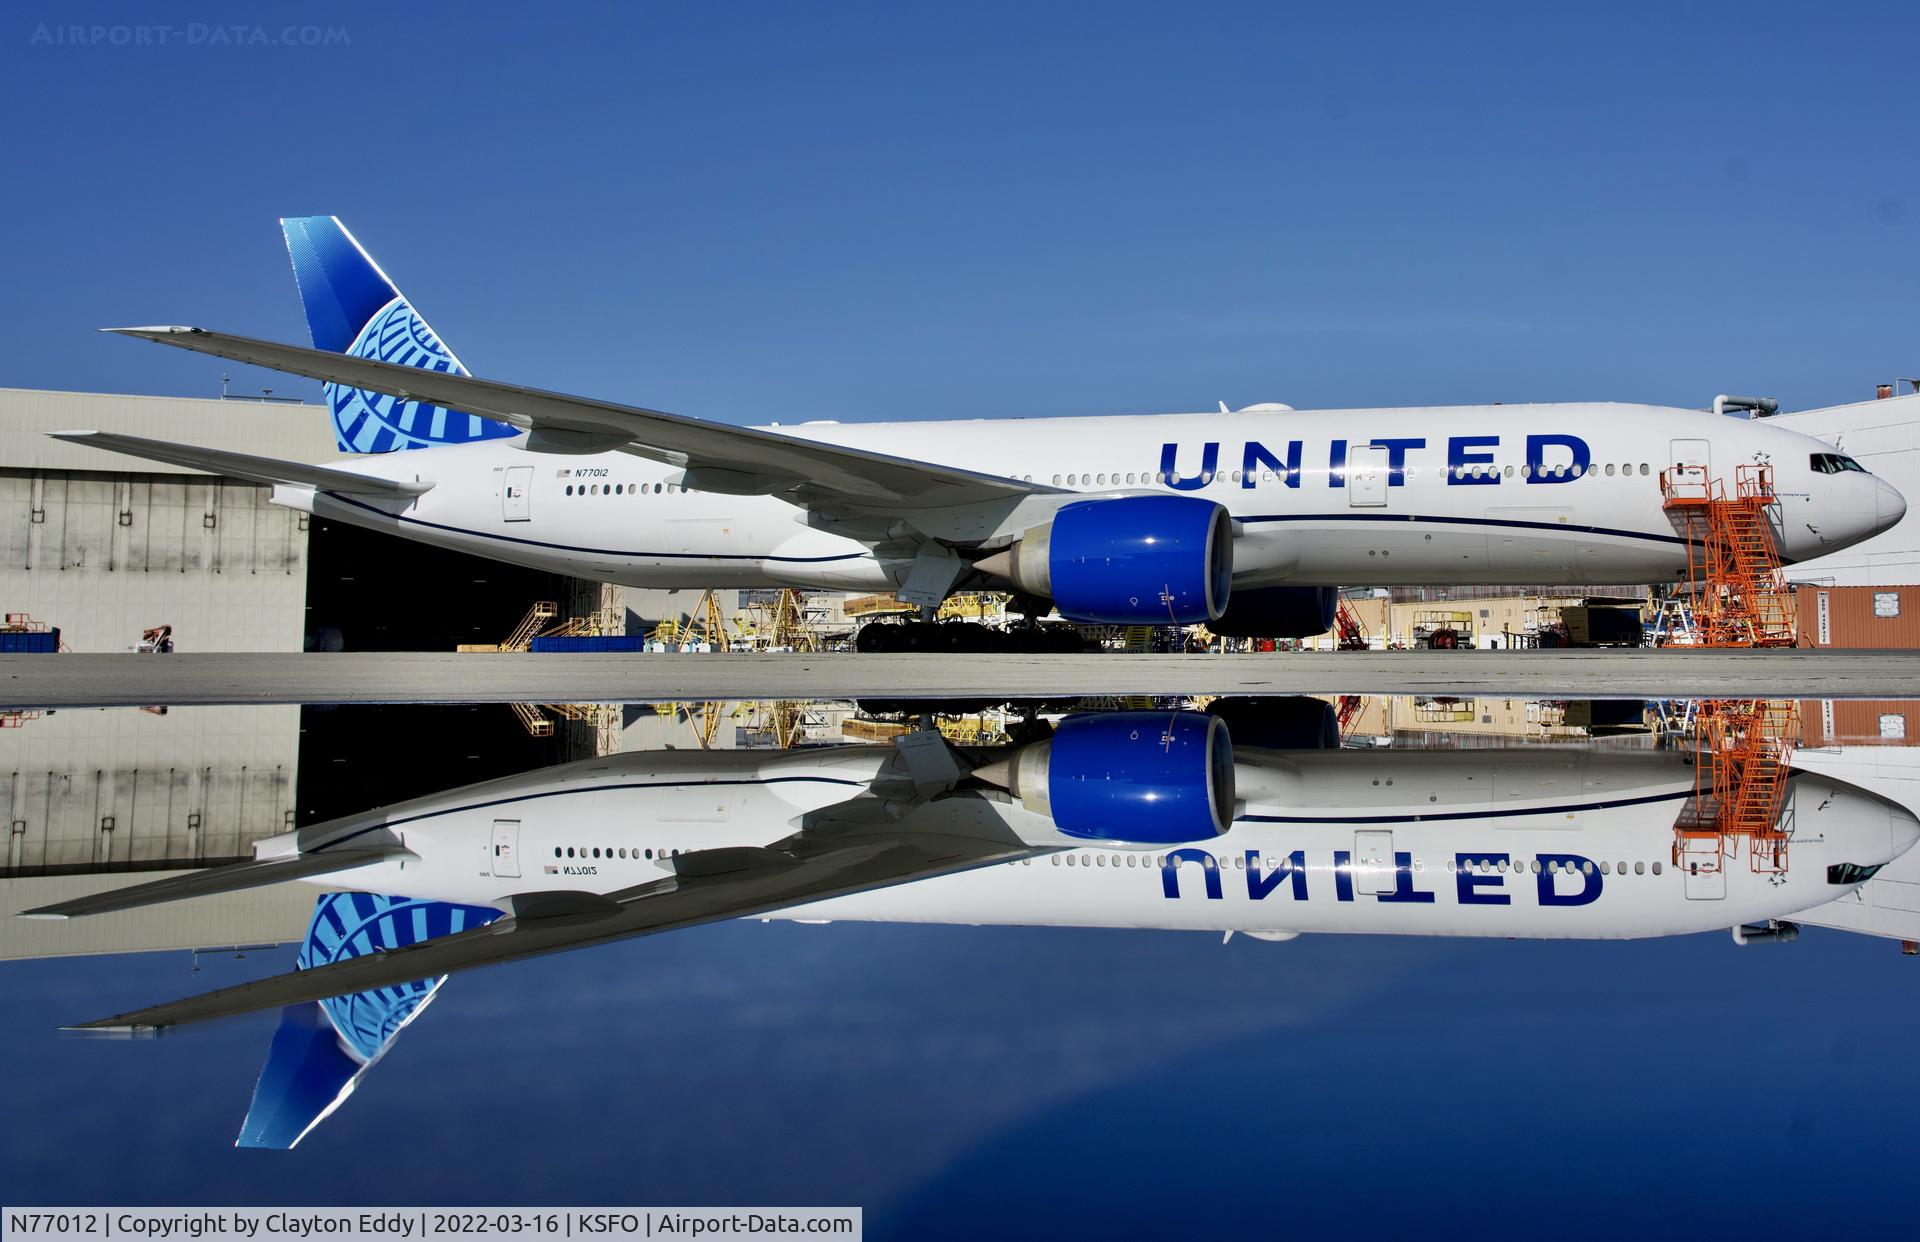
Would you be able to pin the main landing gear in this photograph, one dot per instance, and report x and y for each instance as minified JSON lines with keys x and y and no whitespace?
{"x":966,"y":638}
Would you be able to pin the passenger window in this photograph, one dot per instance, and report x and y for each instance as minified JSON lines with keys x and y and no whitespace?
{"x":1656,"y":866}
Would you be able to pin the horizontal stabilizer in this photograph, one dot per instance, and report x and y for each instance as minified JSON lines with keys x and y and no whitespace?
{"x":862,"y":862}
{"x":744,"y":460}
{"x":244,"y":465}
{"x":233,"y":879}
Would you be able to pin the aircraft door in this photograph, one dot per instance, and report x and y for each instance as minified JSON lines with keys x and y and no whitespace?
{"x":513,"y":494}
{"x":1367,"y":476}
{"x":1705,"y":869}
{"x":506,"y":849}
{"x":1691,"y":467}
{"x":1373,"y":862}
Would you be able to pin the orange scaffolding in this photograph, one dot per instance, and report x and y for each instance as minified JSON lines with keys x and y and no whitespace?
{"x":1739,"y":592}
{"x":1352,"y":634}
{"x":1742,"y":752}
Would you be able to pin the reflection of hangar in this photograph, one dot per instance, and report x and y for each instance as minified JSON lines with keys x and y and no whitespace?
{"x":106,"y":547}
{"x":91,"y":795}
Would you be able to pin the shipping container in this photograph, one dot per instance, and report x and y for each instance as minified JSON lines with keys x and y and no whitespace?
{"x":590,"y":642}
{"x":29,"y":642}
{"x":1858,"y":616}
{"x":1859,"y":722}
{"x":1603,"y":625}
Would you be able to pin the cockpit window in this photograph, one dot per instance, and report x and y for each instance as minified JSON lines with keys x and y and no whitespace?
{"x":1851,"y":873}
{"x":1834,"y":463}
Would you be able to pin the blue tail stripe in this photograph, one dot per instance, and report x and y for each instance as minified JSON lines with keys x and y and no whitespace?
{"x":353,"y":308}
{"x":340,"y":289}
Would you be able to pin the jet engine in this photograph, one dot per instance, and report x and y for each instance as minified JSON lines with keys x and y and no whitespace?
{"x":1150,"y":778}
{"x":1132,"y":560}
{"x":1278,"y":612}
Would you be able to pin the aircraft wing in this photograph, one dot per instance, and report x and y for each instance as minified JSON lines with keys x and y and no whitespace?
{"x":856,"y":847}
{"x":244,"y":465}
{"x":719,"y":457}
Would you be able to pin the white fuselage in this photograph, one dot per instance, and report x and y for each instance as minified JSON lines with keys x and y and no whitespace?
{"x":1528,"y":843}
{"x":1471,"y":494}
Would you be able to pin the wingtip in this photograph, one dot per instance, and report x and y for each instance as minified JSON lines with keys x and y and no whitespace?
{"x":111,"y":1028}
{"x":48,"y":913}
{"x":75,"y":434}
{"x":152,"y":331}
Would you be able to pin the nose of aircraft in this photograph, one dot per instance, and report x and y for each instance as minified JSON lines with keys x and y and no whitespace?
{"x":1889,"y":505}
{"x":1858,"y":827}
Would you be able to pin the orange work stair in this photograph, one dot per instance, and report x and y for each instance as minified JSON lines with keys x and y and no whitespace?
{"x":1734,"y":578}
{"x":1352,"y":634}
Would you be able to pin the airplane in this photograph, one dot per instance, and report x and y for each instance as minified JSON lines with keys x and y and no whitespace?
{"x":1130,"y":819}
{"x":1248,"y":521}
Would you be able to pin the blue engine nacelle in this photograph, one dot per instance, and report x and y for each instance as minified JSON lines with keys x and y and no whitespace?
{"x":1151,"y":778}
{"x":1132,"y":560}
{"x":1278,"y":612}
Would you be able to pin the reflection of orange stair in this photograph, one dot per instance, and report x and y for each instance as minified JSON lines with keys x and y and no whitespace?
{"x":1347,"y":712}
{"x":1740,"y":596}
{"x":1740,"y":780}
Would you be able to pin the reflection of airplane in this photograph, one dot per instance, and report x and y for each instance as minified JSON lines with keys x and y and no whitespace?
{"x":1130,"y":819}
{"x":1245,"y":520}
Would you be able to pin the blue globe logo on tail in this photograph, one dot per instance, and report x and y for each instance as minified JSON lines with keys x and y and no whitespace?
{"x":372,"y":422}
{"x":323,"y":1048}
{"x":353,"y":308}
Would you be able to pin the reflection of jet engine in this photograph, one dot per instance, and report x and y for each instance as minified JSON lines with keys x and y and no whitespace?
{"x":1280,"y":722}
{"x":1133,"y":560}
{"x":1278,"y":612}
{"x":1154,"y":778}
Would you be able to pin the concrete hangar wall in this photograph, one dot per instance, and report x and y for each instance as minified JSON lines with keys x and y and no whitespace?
{"x":104,"y":546}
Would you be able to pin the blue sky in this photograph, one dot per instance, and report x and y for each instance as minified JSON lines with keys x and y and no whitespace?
{"x":785,"y":211}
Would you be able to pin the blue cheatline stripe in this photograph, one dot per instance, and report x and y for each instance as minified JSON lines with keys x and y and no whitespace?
{"x":1461,"y":521}
{"x":564,"y":793}
{"x":1489,"y":813}
{"x":570,"y":547}
{"x":1510,"y":523}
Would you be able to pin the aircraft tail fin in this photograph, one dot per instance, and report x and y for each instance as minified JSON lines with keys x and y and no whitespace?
{"x":323,"y":1048}
{"x":353,"y":308}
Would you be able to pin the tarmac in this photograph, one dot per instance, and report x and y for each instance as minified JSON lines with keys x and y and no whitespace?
{"x":54,"y":681}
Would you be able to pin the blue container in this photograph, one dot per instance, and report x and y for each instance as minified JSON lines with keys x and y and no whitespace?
{"x":590,"y":642}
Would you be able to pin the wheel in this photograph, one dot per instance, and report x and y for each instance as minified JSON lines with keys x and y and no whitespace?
{"x":873,"y":639}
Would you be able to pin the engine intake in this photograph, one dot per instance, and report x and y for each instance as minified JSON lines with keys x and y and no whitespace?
{"x":1151,"y":778}
{"x":1132,"y":560}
